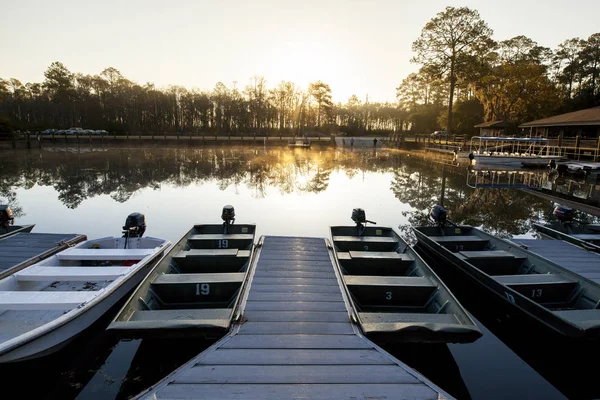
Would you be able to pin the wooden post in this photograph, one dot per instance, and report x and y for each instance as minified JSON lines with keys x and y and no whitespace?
{"x":597,"y":149}
{"x":443,"y":185}
{"x":560,"y":139}
{"x":577,"y":142}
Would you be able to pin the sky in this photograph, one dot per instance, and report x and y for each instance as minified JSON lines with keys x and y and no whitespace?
{"x":357,"y":47}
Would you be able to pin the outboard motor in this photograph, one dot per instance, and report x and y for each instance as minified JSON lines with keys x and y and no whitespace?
{"x":228,"y":217}
{"x":135,"y":225}
{"x":6,"y":217}
{"x":360,"y":218}
{"x":564,"y":214}
{"x":438,"y":214}
{"x":562,"y":168}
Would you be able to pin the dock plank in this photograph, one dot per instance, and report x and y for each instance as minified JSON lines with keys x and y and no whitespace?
{"x":291,"y":328}
{"x":295,"y":356}
{"x":296,"y":306}
{"x":296,"y":342}
{"x":281,"y":374}
{"x":295,"y":296}
{"x":295,"y":288}
{"x":295,"y":391}
{"x":296,"y":316}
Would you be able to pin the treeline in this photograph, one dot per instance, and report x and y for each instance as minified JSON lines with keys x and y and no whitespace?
{"x":111,"y":101}
{"x":466,"y":77}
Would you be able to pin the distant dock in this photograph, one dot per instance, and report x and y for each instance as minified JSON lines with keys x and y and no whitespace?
{"x":192,"y":139}
{"x":294,"y":339}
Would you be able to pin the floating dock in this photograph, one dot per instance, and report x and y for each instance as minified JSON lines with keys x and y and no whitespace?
{"x":567,"y":255}
{"x":294,"y":339}
{"x":24,"y":249}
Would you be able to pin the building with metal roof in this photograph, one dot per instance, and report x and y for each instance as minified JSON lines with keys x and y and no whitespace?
{"x":582,"y":123}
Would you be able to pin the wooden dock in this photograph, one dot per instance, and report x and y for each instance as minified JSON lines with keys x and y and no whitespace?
{"x":23,"y":249}
{"x":294,"y":339}
{"x":567,"y":255}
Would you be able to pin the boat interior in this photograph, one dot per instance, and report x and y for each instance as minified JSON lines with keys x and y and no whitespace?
{"x":197,"y":284}
{"x":567,"y":294}
{"x":51,"y":288}
{"x":391,"y":287}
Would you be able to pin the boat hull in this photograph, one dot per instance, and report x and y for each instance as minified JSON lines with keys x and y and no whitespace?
{"x":511,"y":297}
{"x":164,"y":304}
{"x":395,"y":295}
{"x":513,"y":161}
{"x":55,"y":339}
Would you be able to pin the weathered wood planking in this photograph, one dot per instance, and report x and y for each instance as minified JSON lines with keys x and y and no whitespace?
{"x":295,"y":340}
{"x":298,"y":391}
{"x":297,"y":374}
{"x":568,"y":256}
{"x":17,"y":250}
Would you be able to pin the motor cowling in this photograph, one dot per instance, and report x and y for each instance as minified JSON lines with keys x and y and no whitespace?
{"x":564,"y":214}
{"x":359,"y":216}
{"x":135,"y":225}
{"x":228,"y":214}
{"x":438,"y":214}
{"x":6,"y":216}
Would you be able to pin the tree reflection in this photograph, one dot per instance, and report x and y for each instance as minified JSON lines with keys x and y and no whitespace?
{"x":120,"y":173}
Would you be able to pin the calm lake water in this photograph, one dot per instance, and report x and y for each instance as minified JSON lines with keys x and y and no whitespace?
{"x":285,"y":192}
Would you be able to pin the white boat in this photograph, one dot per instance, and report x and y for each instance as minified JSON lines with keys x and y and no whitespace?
{"x":514,"y":152}
{"x":44,"y":306}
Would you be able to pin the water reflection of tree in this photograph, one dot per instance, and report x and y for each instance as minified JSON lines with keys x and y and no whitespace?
{"x":120,"y":173}
{"x":503,"y":212}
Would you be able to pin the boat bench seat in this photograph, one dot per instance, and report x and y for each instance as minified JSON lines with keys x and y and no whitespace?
{"x":182,"y":314}
{"x":169,"y":279}
{"x":375,"y":255}
{"x":211,"y":260}
{"x":493,"y":262}
{"x":387,"y":263}
{"x":221,"y":241}
{"x":76,"y":254}
{"x":80,"y":274}
{"x":526,"y":279}
{"x":205,"y":290}
{"x":584,"y":318}
{"x":402,"y":318}
{"x":416,"y":281}
{"x":456,"y":243}
{"x":221,"y":236}
{"x":368,"y":243}
{"x":33,"y":300}
{"x":211,"y":253}
{"x":385,"y":291}
{"x":542,"y":288}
